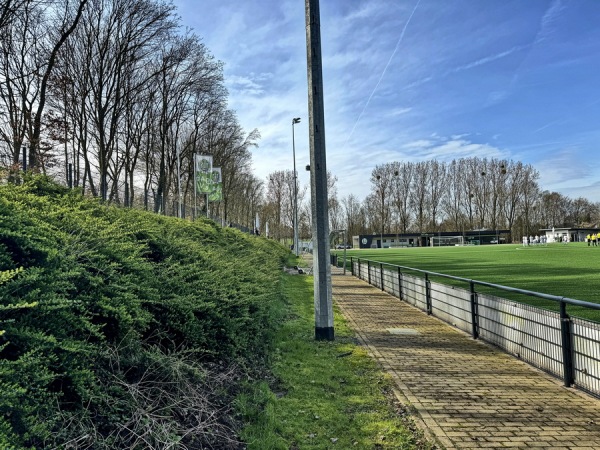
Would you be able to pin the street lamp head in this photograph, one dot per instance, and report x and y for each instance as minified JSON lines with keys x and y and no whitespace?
{"x":295,"y":120}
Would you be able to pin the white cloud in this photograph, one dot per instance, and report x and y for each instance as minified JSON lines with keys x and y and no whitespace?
{"x":565,"y":173}
{"x":399,"y":111}
{"x":419,"y":144}
{"x":496,"y":97}
{"x":354,"y":166}
{"x":589,"y":191}
{"x":418,"y":82}
{"x":564,"y":166}
{"x":344,"y":59}
{"x":461,"y":148}
{"x":239,"y":85}
{"x":548,"y":20}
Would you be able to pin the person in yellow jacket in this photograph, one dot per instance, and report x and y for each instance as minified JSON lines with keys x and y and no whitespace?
{"x":594,"y":241}
{"x":588,"y":239}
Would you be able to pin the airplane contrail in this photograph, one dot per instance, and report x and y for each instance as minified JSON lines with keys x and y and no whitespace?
{"x":384,"y":70}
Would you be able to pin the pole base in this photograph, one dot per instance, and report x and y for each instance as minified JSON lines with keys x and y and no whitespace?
{"x":324,"y":334}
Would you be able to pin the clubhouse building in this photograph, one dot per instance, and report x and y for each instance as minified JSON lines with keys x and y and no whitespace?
{"x":568,"y":234}
{"x":444,"y":238}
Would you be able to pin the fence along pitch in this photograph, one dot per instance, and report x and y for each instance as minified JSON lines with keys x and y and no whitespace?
{"x":566,"y":347}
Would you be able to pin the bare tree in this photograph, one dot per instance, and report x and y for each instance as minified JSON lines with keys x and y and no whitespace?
{"x":353,"y":215}
{"x":468,"y":193}
{"x":333,"y":204}
{"x":31,"y":37}
{"x":126,"y":96}
{"x":418,"y":198}
{"x":233,"y":155}
{"x":382,"y":181}
{"x":531,"y":193}
{"x":582,"y":212}
{"x":275,"y":200}
{"x":9,"y":9}
{"x":438,"y":186}
{"x":401,"y":191}
{"x":65,"y":28}
{"x":554,"y":209}
{"x":454,"y":200}
{"x":248,"y":198}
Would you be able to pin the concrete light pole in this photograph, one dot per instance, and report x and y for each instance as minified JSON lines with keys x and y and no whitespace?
{"x":295,"y":121}
{"x":318,"y":176}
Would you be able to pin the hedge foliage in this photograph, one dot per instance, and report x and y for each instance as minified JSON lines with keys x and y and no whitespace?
{"x":111,"y":317}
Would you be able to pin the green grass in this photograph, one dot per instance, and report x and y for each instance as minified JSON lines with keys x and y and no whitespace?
{"x":571,"y":270}
{"x":324,"y":395}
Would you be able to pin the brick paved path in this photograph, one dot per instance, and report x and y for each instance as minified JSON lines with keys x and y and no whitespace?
{"x":467,"y":394}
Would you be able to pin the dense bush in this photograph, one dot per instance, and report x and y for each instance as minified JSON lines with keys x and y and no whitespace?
{"x":124,"y":329}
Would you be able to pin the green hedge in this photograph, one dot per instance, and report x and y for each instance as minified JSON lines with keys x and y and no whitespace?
{"x":98,"y":303}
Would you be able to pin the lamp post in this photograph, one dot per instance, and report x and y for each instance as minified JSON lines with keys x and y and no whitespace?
{"x":295,"y":121}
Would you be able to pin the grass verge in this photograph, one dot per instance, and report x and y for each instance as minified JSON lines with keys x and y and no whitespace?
{"x":323,"y":395}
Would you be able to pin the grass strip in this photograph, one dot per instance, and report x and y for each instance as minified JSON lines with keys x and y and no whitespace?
{"x":324,"y":395}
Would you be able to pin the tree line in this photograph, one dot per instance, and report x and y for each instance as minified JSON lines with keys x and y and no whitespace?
{"x":430,"y":196}
{"x":115,"y":98}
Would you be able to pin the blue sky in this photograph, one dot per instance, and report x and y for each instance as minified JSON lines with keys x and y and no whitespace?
{"x":414,"y":80}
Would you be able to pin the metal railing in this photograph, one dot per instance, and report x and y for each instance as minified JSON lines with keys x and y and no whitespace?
{"x":564,"y":346}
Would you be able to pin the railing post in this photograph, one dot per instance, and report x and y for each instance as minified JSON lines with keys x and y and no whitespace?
{"x":399,"y":283}
{"x":474,"y":311}
{"x":567,"y":345}
{"x":369,"y":271}
{"x":381,"y":275}
{"x":428,"y":294}
{"x":352,"y":265}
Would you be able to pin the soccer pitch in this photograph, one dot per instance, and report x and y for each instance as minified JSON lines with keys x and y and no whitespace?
{"x":571,"y":270}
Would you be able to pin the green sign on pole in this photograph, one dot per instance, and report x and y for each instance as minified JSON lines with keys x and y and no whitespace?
{"x":216,"y":193}
{"x":203,"y":168}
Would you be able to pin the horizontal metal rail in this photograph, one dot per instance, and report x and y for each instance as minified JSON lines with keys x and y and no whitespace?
{"x":556,"y":298}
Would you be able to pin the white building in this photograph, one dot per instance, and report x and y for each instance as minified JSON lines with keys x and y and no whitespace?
{"x":557,"y":234}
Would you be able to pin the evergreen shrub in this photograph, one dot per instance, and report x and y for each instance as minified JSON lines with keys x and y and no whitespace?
{"x":103,"y":308}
